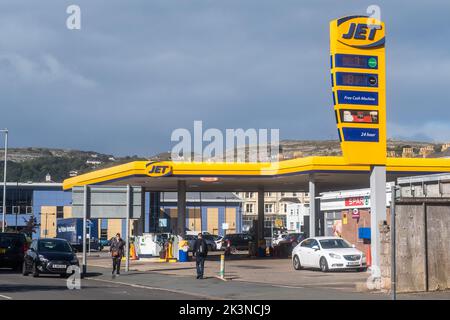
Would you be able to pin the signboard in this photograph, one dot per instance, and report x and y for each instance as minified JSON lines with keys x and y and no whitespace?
{"x":344,"y":218}
{"x":358,"y":86}
{"x":224,"y":226}
{"x":356,"y":214}
{"x":357,"y":202}
{"x":278,"y":223}
{"x":107,"y":202}
{"x":158,"y":169}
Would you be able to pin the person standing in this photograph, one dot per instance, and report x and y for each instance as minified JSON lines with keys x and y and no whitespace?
{"x":117,"y":252}
{"x":200,"y":252}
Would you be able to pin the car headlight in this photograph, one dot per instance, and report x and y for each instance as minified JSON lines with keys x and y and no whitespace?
{"x":335,"y":256}
{"x":363,"y":256}
{"x":42,"y":258}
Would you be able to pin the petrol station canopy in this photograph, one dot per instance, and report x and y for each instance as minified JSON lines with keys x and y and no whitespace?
{"x":329,"y":173}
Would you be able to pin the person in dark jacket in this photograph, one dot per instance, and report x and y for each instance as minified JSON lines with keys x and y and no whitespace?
{"x":117,"y":252}
{"x":200,"y":251}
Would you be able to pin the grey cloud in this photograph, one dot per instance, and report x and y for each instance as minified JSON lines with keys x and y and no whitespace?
{"x":138,"y":70}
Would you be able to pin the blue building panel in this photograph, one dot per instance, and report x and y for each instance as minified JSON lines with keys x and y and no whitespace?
{"x":221,"y":220}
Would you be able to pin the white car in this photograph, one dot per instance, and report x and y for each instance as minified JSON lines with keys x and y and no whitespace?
{"x":328,"y":253}
{"x":279,"y":238}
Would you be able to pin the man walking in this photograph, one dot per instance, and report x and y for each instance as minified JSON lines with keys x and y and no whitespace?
{"x":117,"y":252}
{"x":200,"y":252}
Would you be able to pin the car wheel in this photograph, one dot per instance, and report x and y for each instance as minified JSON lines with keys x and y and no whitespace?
{"x":323,"y":264}
{"x":24,"y":269}
{"x":35,"y":271}
{"x":296,"y":263}
{"x":18,"y":267}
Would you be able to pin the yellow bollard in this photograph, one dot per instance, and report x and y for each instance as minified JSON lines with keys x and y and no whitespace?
{"x":221,"y":275}
{"x":170,"y":257}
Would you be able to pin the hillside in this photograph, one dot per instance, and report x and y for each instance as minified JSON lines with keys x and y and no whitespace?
{"x":33,"y":164}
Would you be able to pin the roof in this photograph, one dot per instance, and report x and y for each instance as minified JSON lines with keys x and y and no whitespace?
{"x":330,"y":173}
{"x":32,"y":185}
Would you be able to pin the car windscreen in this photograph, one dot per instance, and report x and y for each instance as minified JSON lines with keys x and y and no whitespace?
{"x":334,"y":244}
{"x":53,"y":246}
{"x":7,"y":241}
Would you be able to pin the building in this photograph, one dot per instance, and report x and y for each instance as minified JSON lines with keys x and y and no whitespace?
{"x":206,"y":211}
{"x":275,"y":207}
{"x":408,"y":152}
{"x":295,"y":216}
{"x":347,"y":214}
{"x":45,"y":202}
{"x":48,"y":203}
{"x":392,"y":153}
{"x":445,"y":147}
{"x":426,"y":151}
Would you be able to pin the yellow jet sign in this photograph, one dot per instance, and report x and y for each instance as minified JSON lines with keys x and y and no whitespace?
{"x":358,"y":84}
{"x":158,"y":169}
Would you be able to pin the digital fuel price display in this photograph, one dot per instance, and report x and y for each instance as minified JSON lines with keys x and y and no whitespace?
{"x":356,"y":61}
{"x":356,"y":79}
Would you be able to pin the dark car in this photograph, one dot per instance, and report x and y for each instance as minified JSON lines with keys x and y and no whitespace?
{"x":291,"y":241}
{"x":51,"y":256}
{"x":238,"y":241}
{"x":104,"y":243}
{"x":12,"y":249}
{"x":211,"y":241}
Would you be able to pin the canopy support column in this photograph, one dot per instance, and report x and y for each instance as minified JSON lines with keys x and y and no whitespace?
{"x":181,"y":222}
{"x":260,"y":223}
{"x":313,"y":207}
{"x":377,"y":213}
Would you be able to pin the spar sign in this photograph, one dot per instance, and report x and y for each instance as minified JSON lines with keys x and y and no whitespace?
{"x":357,"y":202}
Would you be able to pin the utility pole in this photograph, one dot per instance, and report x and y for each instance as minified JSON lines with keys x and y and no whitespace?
{"x":4,"y":178}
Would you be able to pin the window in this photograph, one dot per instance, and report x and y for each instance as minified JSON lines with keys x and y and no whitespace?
{"x":249,"y":207}
{"x":306,"y":243}
{"x":294,"y":194}
{"x":285,"y":207}
{"x":268,"y":207}
{"x":268,"y":194}
{"x":248,"y":195}
{"x":313,"y":243}
{"x":282,"y":194}
{"x":59,"y":212}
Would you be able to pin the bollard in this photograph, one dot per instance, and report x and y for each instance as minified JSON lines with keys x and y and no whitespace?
{"x":222,"y":267}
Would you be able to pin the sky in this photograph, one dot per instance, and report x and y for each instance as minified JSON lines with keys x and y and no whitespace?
{"x":137,"y":70}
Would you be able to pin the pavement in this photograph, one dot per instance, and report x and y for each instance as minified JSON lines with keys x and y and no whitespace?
{"x":247,"y":279}
{"x":14,"y":286}
{"x":241,"y":268}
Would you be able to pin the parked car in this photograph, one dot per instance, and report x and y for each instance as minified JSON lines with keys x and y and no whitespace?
{"x":238,"y":241}
{"x":328,"y":253}
{"x":12,"y":249}
{"x":293,"y":238}
{"x":52,"y":256}
{"x":104,"y":243}
{"x":210,"y":242}
{"x":278,"y":238}
{"x":213,"y":242}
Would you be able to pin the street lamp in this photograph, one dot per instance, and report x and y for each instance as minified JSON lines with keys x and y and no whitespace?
{"x":4,"y":178}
